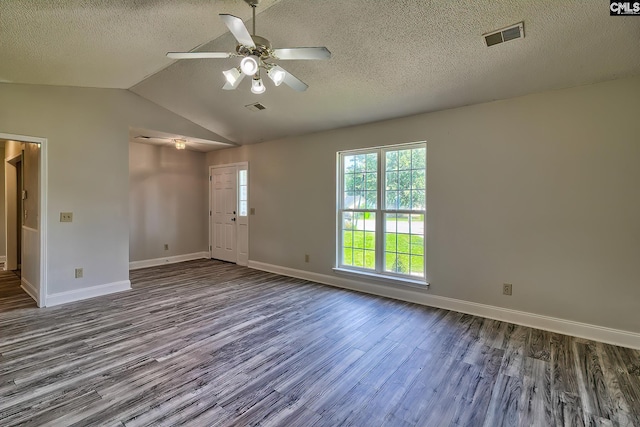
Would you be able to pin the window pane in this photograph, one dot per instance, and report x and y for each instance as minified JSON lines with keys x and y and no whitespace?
{"x":402,"y":263}
{"x":417,"y":265}
{"x":404,"y":180}
{"x":358,"y":257}
{"x":243,"y":208}
{"x":392,"y":181}
{"x":392,"y":200}
{"x":417,"y":179}
{"x":418,"y":200}
{"x":404,"y":159}
{"x":370,"y":240}
{"x":347,"y":256}
{"x":404,"y":244}
{"x":369,"y":221}
{"x":390,"y":262}
{"x":347,"y":238}
{"x":418,"y":158}
{"x":371,"y":162}
{"x":243,"y":177}
{"x":404,"y":199}
{"x":372,"y":181}
{"x":369,"y":259}
{"x":392,"y":160}
{"x":417,"y":224}
{"x":347,"y":221}
{"x":349,"y":164}
{"x":417,"y":244}
{"x":359,"y":239}
{"x":371,"y":199}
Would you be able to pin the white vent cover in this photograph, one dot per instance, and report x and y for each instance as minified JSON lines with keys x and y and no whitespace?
{"x":256,"y":107}
{"x":512,"y":32}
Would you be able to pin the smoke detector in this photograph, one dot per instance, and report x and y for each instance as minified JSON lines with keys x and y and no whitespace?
{"x":512,"y":32}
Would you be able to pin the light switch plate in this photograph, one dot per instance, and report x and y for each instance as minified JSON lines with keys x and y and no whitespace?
{"x":66,"y":216}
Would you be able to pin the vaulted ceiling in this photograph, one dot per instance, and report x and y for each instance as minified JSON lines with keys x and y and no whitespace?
{"x":391,"y":58}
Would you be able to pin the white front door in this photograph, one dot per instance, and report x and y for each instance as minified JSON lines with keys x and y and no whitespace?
{"x":224,"y":195}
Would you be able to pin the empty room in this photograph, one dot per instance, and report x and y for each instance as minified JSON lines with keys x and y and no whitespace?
{"x":320,"y":213}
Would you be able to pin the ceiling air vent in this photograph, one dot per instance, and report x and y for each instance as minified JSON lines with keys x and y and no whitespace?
{"x":512,"y":32}
{"x":256,"y":107}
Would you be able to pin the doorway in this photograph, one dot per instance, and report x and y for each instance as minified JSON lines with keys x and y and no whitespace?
{"x":25,"y":212}
{"x":14,"y":181}
{"x":229,"y":213}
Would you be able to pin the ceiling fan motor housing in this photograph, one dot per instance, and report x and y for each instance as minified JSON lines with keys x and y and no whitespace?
{"x":262,"y":49}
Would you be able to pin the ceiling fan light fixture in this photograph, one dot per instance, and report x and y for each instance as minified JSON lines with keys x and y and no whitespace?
{"x":232,"y":75}
{"x":180,"y":144}
{"x":277,"y":75}
{"x":257,"y":86}
{"x":249,"y":65}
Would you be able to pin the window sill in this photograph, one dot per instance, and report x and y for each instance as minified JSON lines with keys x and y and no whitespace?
{"x":383,"y":278}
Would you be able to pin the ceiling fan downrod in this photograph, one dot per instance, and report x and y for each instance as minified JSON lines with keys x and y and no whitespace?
{"x":253,"y":8}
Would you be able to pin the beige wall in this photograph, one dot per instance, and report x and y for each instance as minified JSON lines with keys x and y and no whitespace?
{"x":168,"y":202}
{"x":539,"y":191}
{"x":87,"y":133}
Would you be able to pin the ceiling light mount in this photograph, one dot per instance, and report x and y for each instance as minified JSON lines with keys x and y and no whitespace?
{"x":180,"y":144}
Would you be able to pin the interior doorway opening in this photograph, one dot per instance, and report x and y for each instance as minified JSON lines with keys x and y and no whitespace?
{"x":23,"y":229}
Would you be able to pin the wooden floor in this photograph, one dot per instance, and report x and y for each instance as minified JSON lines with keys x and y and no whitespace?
{"x":206,"y":343}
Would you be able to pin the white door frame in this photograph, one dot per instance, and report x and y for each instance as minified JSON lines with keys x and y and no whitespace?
{"x":41,"y":299}
{"x":239,"y":166}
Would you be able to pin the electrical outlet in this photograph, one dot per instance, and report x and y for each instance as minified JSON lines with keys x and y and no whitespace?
{"x":507,"y":288}
{"x":66,"y":216}
{"x":252,"y":211}
{"x":79,"y":273}
{"x":306,"y":257}
{"x":166,"y":246}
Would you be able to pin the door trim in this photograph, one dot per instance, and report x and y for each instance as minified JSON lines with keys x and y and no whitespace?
{"x":44,"y":191}
{"x":239,"y":166}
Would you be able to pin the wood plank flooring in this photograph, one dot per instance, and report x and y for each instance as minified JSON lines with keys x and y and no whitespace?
{"x":206,"y":343}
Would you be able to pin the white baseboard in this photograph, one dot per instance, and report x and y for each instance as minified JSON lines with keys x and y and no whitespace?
{"x":81,"y":294}
{"x":134,"y":265}
{"x":31,"y":290}
{"x":553,"y":324}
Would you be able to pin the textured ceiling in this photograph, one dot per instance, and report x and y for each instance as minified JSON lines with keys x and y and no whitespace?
{"x":391,"y":58}
{"x":103,"y":43}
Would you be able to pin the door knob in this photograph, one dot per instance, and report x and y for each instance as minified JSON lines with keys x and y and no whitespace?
{"x":233,"y":219}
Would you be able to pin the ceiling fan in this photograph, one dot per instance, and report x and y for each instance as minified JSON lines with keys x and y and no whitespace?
{"x":257,"y":56}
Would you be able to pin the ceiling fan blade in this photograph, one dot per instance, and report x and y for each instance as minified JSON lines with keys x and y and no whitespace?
{"x":238,"y":29}
{"x":293,"y":82}
{"x":303,"y":53}
{"x":198,"y":55}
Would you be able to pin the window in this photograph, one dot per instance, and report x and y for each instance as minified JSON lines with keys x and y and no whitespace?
{"x":382,"y":211}
{"x":242,"y":192}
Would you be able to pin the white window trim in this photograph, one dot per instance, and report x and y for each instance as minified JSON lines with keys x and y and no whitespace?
{"x":380,"y":211}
